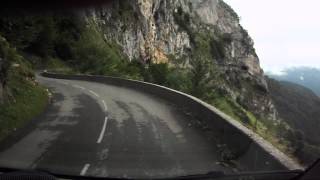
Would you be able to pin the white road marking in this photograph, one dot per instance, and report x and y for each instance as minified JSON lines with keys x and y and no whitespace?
{"x":94,"y":93}
{"x":84,"y":169}
{"x":65,"y":83}
{"x":103,"y":130}
{"x":77,"y":86}
{"x":105,"y":105}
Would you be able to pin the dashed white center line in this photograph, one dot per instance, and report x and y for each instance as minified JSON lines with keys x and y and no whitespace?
{"x":94,"y":93}
{"x":105,"y":105}
{"x":65,"y":83}
{"x":84,"y":169}
{"x":86,"y":166}
{"x":103,"y":130}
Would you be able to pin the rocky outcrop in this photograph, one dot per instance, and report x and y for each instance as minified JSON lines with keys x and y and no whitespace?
{"x":149,"y":30}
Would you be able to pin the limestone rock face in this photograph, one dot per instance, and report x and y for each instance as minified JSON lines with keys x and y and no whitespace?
{"x":147,"y":30}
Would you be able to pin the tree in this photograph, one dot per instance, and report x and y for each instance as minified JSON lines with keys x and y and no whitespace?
{"x":19,"y":30}
{"x":178,"y":79}
{"x":158,"y":73}
{"x":296,"y":140}
{"x":202,"y":76}
{"x":44,"y":43}
{"x":70,"y":28}
{"x":299,"y":141}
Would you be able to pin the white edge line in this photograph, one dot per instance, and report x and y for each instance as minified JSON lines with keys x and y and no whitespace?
{"x":84,"y":169}
{"x":94,"y":93}
{"x":104,"y":105}
{"x":103,"y":130}
{"x":80,"y":87}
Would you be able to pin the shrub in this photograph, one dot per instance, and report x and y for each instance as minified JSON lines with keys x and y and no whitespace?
{"x":178,"y":79}
{"x":24,"y":98}
{"x":217,"y":49}
{"x":157,"y":73}
{"x":43,"y":45}
{"x":94,"y":55}
{"x":132,"y":70}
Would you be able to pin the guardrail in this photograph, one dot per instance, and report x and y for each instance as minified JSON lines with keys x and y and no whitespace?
{"x":245,"y":146}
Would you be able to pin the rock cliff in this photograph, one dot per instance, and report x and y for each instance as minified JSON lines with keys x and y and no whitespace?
{"x":161,"y":31}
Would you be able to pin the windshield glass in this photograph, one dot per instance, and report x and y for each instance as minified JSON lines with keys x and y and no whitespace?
{"x":159,"y":89}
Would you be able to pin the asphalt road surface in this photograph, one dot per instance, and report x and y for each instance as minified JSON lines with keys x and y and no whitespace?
{"x":93,"y":129}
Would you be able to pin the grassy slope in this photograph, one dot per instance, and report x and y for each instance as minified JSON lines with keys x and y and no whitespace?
{"x":24,"y":98}
{"x":299,"y":107}
{"x":92,"y":55}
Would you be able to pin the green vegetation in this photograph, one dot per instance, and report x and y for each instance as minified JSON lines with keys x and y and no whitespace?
{"x":58,"y":66}
{"x":93,"y":55}
{"x":23,"y":98}
{"x":44,"y":37}
{"x":207,"y":53}
{"x":27,"y":101}
{"x":60,"y":41}
{"x":299,"y":109}
{"x":65,"y":44}
{"x":233,"y":109}
{"x":229,"y":10}
{"x":178,"y":79}
{"x":203,"y":79}
{"x":157,"y":73}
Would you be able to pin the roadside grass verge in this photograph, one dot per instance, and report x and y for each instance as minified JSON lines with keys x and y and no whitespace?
{"x":25,"y":99}
{"x":26,"y":102}
{"x":269,"y":131}
{"x":56,"y":65}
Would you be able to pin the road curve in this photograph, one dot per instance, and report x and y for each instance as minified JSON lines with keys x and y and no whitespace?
{"x":95,"y":129}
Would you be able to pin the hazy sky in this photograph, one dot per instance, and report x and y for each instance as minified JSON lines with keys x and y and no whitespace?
{"x":286,"y":32}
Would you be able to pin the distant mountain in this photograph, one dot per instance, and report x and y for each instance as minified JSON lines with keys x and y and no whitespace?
{"x":300,"y":108}
{"x":197,"y":47}
{"x":305,"y":76}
